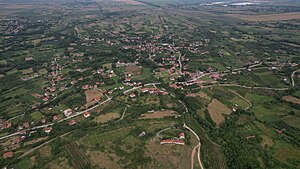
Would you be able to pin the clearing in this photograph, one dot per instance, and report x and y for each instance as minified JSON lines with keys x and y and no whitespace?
{"x":269,"y":17}
{"x":216,"y":109}
{"x":131,"y":2}
{"x":159,"y":114}
{"x":291,"y":99}
{"x":91,"y":95}
{"x":107,"y":117}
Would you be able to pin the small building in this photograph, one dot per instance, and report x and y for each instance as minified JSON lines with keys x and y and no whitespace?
{"x":72,"y":122}
{"x":26,"y":125}
{"x":132,"y":95}
{"x":47,"y":130}
{"x":22,"y":132}
{"x":279,"y":131}
{"x":8,"y":154}
{"x":54,"y":118}
{"x":87,"y":114}
{"x":16,"y":141}
{"x":68,"y":112}
{"x":85,"y":87}
{"x":181,"y":135}
{"x":144,"y":90}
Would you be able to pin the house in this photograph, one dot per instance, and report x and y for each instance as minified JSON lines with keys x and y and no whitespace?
{"x":26,"y":125}
{"x":132,"y":95}
{"x":16,"y":141}
{"x":175,"y":86}
{"x":68,"y":112}
{"x":72,"y":122}
{"x":144,"y":90}
{"x":54,"y":118}
{"x":45,"y":99}
{"x":179,"y":142}
{"x":85,"y":87}
{"x":5,"y":125}
{"x":43,"y":120}
{"x":22,"y":132}
{"x":47,"y":130}
{"x":87,"y":114}
{"x":181,"y":135}
{"x":8,"y":154}
{"x":215,"y":76}
{"x":279,"y":131}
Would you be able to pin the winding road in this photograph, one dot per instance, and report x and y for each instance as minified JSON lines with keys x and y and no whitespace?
{"x":198,"y":146}
{"x":292,"y":76}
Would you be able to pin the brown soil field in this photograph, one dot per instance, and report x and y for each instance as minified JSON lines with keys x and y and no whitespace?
{"x":291,"y":99}
{"x":159,"y":114}
{"x":216,"y":109}
{"x":131,"y":2}
{"x":269,"y":17}
{"x":91,"y":95}
{"x":134,"y":70}
{"x":107,"y":117}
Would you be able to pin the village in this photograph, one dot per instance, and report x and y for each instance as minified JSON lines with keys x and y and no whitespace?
{"x":133,"y":84}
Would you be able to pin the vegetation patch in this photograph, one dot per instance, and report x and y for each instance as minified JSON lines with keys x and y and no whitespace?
{"x":103,"y":118}
{"x":78,"y":158}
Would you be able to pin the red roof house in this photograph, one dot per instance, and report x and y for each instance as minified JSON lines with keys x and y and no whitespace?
{"x":26,"y":125}
{"x":8,"y":154}
{"x":22,"y":132}
{"x":132,"y":95}
{"x":47,"y":129}
{"x":72,"y":122}
{"x":181,"y":135}
{"x":87,"y":114}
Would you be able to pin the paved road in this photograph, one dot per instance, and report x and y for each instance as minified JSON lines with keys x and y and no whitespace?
{"x":158,"y":133}
{"x":67,"y":118}
{"x":292,"y":77}
{"x":198,"y":145}
{"x":132,"y":89}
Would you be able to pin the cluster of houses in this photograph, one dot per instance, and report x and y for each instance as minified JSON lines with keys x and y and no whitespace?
{"x":178,"y":141}
{"x":4,"y":124}
{"x":149,"y":90}
{"x":153,"y":91}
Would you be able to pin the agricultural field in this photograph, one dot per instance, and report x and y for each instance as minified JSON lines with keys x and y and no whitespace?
{"x":149,"y":84}
{"x":216,"y":110}
{"x":159,"y":114}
